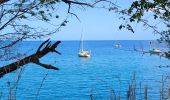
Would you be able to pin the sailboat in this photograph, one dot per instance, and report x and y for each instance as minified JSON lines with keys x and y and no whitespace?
{"x":117,"y":45}
{"x":155,"y":50}
{"x":82,"y":52}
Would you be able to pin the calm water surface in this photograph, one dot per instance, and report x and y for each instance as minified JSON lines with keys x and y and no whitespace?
{"x":108,"y":69}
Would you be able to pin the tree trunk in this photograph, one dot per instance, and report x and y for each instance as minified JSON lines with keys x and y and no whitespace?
{"x":34,"y":58}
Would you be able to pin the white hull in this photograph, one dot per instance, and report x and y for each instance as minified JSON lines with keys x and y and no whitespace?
{"x":84,"y":54}
{"x":117,"y":45}
{"x":155,"y":51}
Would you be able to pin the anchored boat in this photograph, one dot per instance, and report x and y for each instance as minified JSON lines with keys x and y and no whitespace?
{"x":155,"y":50}
{"x":117,"y":45}
{"x":82,"y":52}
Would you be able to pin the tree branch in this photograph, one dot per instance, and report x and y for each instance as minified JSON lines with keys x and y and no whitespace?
{"x":3,"y":1}
{"x":34,"y":58}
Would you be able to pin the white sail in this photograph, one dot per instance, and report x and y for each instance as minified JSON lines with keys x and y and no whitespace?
{"x":81,"y":43}
{"x":82,"y":52}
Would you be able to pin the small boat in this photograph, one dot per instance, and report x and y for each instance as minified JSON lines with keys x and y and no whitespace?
{"x":82,"y":52}
{"x":117,"y":45}
{"x":155,"y":51}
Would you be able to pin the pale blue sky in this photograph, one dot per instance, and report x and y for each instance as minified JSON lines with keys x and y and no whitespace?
{"x":100,"y":24}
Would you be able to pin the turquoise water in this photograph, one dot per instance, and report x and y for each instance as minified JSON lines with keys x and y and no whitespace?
{"x":108,"y":69}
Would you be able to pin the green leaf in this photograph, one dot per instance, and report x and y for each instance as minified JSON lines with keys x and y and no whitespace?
{"x":42,"y":1}
{"x":155,"y":16}
{"x":130,"y":10}
{"x":130,"y":28}
{"x":160,"y":1}
{"x":63,"y":24}
{"x":56,"y":16}
{"x":132,"y":20}
{"x":23,"y":17}
{"x":120,"y":27}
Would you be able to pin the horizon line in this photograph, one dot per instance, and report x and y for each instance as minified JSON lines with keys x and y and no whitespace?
{"x":93,"y":40}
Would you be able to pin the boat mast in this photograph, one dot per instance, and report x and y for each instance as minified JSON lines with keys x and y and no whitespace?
{"x":81,"y":45}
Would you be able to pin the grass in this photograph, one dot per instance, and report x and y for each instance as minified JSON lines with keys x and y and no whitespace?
{"x":138,"y":92}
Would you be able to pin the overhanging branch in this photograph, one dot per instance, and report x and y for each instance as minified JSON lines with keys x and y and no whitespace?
{"x":34,"y":58}
{"x":3,"y":1}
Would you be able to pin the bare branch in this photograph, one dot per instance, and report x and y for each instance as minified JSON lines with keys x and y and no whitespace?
{"x":34,"y":58}
{"x":46,"y":66}
{"x":3,"y":1}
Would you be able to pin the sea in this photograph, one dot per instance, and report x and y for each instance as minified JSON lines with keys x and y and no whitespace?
{"x":106,"y":75}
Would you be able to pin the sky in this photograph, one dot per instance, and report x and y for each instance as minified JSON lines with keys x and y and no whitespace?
{"x":99,"y":24}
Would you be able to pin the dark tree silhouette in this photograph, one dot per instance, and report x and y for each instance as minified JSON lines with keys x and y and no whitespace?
{"x":34,"y":58}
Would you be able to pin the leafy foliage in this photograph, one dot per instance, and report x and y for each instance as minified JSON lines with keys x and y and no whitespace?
{"x":158,"y":9}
